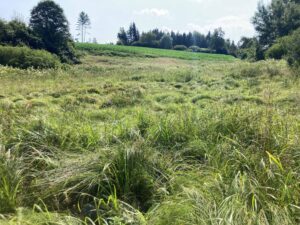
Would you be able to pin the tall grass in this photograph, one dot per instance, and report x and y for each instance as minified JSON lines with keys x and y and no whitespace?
{"x":193,"y":144}
{"x":10,"y":182}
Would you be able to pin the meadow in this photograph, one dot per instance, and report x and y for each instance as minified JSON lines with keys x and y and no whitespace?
{"x":134,"y":139}
{"x":123,"y":51}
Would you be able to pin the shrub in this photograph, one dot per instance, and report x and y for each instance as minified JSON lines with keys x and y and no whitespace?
{"x":180,"y":47}
{"x":288,"y":48}
{"x":250,"y":49}
{"x":24,"y":57}
{"x":293,"y":46}
{"x":154,"y":44}
{"x":277,"y":51}
{"x":195,"y":48}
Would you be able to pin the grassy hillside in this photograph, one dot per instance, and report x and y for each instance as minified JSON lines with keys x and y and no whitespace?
{"x":117,"y":50}
{"x":137,"y":140}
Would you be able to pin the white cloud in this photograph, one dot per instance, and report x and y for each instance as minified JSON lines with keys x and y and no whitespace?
{"x":233,"y":26}
{"x":153,"y":12}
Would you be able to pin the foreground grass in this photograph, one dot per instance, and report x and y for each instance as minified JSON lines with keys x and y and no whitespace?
{"x":125,"y":140}
{"x":117,"y":50}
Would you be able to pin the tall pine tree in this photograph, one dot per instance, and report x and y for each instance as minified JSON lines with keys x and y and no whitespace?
{"x":133,"y":33}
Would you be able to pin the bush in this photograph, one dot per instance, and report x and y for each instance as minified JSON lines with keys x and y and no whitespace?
{"x":287,"y":48}
{"x":153,"y":44}
{"x":293,"y":45}
{"x":195,"y":48}
{"x":277,"y":51}
{"x":250,"y":49}
{"x":24,"y":57}
{"x":180,"y":47}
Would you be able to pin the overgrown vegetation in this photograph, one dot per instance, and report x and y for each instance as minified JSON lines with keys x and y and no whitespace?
{"x":24,"y":57}
{"x":48,"y":30}
{"x":140,"y":140}
{"x":277,"y":24}
{"x":287,"y":48}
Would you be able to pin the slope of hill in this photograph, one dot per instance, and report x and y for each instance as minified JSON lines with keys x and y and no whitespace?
{"x":117,"y":50}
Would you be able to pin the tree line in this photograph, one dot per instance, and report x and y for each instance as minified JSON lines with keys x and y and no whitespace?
{"x":213,"y":42}
{"x":277,"y":25}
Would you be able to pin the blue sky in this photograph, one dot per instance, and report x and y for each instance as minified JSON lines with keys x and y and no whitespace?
{"x":107,"y":16}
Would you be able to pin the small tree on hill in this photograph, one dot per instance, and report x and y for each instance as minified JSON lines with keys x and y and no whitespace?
{"x":122,"y":37}
{"x":83,"y":24}
{"x":133,"y":33}
{"x":217,"y":41}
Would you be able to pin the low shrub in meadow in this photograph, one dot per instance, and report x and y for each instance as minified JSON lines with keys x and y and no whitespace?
{"x":24,"y":57}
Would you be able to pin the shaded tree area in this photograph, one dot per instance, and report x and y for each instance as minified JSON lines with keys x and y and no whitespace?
{"x":192,"y":41}
{"x":278,"y":19}
{"x":48,"y":29}
{"x":277,"y":25}
{"x":250,"y":49}
{"x":17,"y":33}
{"x":287,"y":47}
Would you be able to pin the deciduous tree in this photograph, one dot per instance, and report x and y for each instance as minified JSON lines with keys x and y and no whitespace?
{"x":166,"y":42}
{"x":50,"y":24}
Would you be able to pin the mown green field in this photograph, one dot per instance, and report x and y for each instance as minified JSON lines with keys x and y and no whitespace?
{"x":119,"y":50}
{"x":158,"y":141}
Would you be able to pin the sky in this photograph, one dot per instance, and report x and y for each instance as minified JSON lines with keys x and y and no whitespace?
{"x":107,"y":16}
